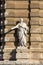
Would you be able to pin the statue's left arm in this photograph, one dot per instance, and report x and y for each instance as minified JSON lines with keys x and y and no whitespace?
{"x":27,"y":28}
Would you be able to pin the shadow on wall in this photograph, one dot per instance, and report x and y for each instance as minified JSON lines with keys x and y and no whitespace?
{"x":2,"y":10}
{"x":13,"y":55}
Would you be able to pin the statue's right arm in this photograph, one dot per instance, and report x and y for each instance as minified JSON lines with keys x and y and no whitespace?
{"x":12,"y":28}
{"x":15,"y":27}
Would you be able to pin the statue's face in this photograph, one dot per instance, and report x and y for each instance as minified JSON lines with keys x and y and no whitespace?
{"x":21,"y":19}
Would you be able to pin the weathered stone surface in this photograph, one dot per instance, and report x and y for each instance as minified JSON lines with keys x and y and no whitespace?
{"x":10,"y":46}
{"x":34,"y":12}
{"x":41,"y":4}
{"x":35,"y":47}
{"x":16,"y":13}
{"x":9,"y":39}
{"x":1,"y":56}
{"x":23,"y":62}
{"x":8,"y":50}
{"x":6,"y":30}
{"x":36,"y":37}
{"x":9,"y":35}
{"x":16,"y":4}
{"x":22,"y":49}
{"x":12,"y":21}
{"x":41,"y":13}
{"x":41,"y":21}
{"x":37,"y":44}
{"x":35,"y":4}
{"x":36,"y":29}
{"x":23,"y":56}
{"x":37,"y":50}
{"x":9,"y":27}
{"x":36,"y":21}
{"x":29,"y":55}
{"x":6,"y":56}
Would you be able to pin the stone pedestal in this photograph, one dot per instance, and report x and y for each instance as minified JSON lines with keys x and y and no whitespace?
{"x":22,"y":53}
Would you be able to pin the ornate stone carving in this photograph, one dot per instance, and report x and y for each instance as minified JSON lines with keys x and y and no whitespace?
{"x":22,"y":30}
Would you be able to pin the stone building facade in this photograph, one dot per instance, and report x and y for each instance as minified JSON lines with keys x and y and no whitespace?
{"x":32,"y":12}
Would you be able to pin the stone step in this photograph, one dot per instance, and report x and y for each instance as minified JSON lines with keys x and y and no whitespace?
{"x":23,"y":55}
{"x":22,"y":61}
{"x":32,"y":49}
{"x":29,"y":55}
{"x":13,"y":21}
{"x":16,"y":13}
{"x":28,"y":62}
{"x":17,"y":4}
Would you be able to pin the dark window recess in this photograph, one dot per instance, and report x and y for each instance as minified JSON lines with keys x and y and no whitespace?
{"x":2,"y":10}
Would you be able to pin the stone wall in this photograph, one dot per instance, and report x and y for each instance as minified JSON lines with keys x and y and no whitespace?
{"x":16,"y":9}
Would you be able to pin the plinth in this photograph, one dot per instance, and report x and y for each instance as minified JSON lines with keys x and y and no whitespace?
{"x":22,"y":54}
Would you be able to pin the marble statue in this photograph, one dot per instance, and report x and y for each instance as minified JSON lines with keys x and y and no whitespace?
{"x":22,"y":32}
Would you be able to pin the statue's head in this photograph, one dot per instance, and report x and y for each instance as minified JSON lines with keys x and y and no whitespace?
{"x":21,"y":19}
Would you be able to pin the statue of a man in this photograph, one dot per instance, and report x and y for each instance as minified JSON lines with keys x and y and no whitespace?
{"x":22,"y":32}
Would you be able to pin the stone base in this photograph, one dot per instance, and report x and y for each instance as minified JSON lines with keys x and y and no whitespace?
{"x":23,"y":56}
{"x":21,"y":62}
{"x":22,"y":53}
{"x":22,"y":49}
